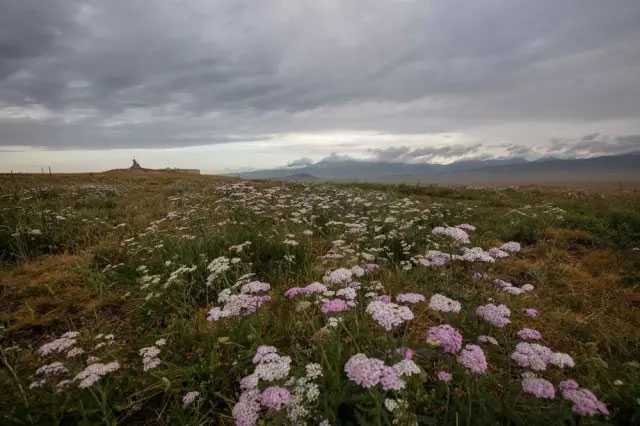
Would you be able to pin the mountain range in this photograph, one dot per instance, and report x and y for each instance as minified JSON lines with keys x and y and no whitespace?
{"x":604,"y":169}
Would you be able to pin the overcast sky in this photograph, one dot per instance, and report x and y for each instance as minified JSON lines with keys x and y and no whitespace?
{"x":228,"y":85}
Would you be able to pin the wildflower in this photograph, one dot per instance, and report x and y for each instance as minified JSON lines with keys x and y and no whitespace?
{"x":532,"y":355}
{"x":538,"y":387}
{"x":273,"y":367}
{"x":561,"y":360}
{"x":247,"y":410}
{"x":445,"y":336}
{"x":476,"y":254}
{"x":313,"y":371}
{"x":150,"y":358}
{"x":529,"y":334}
{"x":457,"y":234}
{"x":189,"y":398}
{"x":511,"y":247}
{"x":74,"y":352}
{"x":406,"y":367}
{"x":410,"y":298}
{"x":444,"y":376}
{"x":530,"y":312}
{"x":338,"y":276}
{"x":94,"y":372}
{"x":255,"y":287}
{"x":262,"y":352}
{"x":364,"y":371}
{"x":390,"y":379}
{"x":487,"y":339}
{"x":51,"y":369}
{"x":275,"y":398}
{"x":472,"y":357}
{"x":66,"y":341}
{"x":238,"y":305}
{"x":495,"y":315}
{"x":334,"y":305}
{"x":585,"y":403}
{"x":390,"y":404}
{"x":466,"y":227}
{"x":442,"y":303}
{"x":389,"y":315}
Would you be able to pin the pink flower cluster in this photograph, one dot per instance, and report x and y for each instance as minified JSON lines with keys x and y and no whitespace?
{"x":389,"y":315}
{"x":457,"y":234}
{"x":529,"y":334}
{"x":445,"y":336}
{"x":313,"y":288}
{"x":435,"y":258}
{"x":585,"y":403}
{"x":238,"y":305}
{"x":270,"y":366}
{"x":410,"y":298}
{"x":476,"y":254}
{"x":472,"y":357}
{"x":331,"y":306}
{"x":497,"y":315}
{"x":369,"y":372}
{"x":538,"y":387}
{"x":511,"y":247}
{"x":537,"y":357}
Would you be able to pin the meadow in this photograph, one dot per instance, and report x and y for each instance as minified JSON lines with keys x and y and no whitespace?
{"x":144,"y":299}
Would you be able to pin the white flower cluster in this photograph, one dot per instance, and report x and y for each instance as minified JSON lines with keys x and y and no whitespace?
{"x":66,"y":341}
{"x":94,"y":372}
{"x":441,"y":303}
{"x":217,"y":267}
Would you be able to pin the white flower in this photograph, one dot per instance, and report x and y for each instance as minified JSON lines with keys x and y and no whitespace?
{"x":189,"y":397}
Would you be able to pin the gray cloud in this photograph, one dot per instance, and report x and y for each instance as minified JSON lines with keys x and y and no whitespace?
{"x":101,"y":75}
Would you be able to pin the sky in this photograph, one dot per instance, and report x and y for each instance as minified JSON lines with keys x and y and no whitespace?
{"x":236,"y":85}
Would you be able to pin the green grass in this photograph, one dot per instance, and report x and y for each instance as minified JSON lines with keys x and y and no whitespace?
{"x":86,"y":272}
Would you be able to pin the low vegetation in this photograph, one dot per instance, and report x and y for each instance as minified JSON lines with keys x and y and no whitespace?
{"x":178,"y":299}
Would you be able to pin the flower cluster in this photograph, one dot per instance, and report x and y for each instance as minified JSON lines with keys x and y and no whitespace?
{"x":149,"y":354}
{"x":446,"y":337}
{"x":62,"y":344}
{"x":441,"y":303}
{"x":472,"y":357}
{"x":529,"y":334}
{"x":389,"y":315}
{"x":497,"y":315}
{"x":242,"y":304}
{"x":538,"y":387}
{"x":457,"y":234}
{"x":369,"y":372}
{"x":512,"y":289}
{"x":411,"y":298}
{"x":94,"y":372}
{"x":537,"y":357}
{"x":585,"y":403}
{"x":292,"y":395}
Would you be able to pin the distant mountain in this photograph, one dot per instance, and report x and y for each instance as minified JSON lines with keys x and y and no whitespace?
{"x":606,"y":169}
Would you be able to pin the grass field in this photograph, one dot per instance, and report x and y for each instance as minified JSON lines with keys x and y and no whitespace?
{"x":128,"y":299}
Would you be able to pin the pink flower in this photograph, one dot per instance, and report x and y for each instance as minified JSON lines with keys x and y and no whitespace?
{"x":390,"y":380}
{"x":364,"y":371}
{"x":530,"y":312}
{"x":529,"y":334}
{"x":389,"y":315}
{"x":472,"y":357}
{"x":538,"y":387}
{"x":247,"y":410}
{"x":334,"y":305}
{"x":497,"y":315}
{"x":444,"y":376}
{"x":293,"y":292}
{"x":446,"y":337}
{"x":585,"y":403}
{"x":410,"y":298}
{"x":275,"y":398}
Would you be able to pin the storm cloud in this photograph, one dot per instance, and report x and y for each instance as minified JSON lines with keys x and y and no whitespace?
{"x":138,"y":74}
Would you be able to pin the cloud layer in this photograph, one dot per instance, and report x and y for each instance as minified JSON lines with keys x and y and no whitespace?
{"x":137,"y":74}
